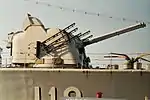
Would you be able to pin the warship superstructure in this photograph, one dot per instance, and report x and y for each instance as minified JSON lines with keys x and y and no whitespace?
{"x":51,"y":63}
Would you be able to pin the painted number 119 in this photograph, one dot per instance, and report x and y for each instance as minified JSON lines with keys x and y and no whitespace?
{"x":53,"y":92}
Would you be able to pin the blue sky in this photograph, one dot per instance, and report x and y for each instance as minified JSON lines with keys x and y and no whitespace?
{"x":13,"y":13}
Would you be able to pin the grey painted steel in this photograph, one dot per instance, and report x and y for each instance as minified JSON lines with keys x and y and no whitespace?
{"x":19,"y":84}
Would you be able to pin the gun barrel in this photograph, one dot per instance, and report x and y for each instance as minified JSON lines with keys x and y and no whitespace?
{"x":115,"y":33}
{"x":86,"y":33}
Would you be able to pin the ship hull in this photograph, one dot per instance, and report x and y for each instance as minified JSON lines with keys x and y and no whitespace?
{"x":20,"y":83}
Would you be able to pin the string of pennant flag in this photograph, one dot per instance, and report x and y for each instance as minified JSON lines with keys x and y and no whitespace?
{"x":89,"y":13}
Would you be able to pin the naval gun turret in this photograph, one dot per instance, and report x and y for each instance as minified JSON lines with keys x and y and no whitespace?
{"x":38,"y":45}
{"x":63,"y":38}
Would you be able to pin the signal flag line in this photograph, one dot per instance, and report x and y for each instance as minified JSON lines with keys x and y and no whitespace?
{"x":89,"y":13}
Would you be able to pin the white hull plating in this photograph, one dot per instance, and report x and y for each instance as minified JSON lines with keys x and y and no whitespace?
{"x":20,"y":83}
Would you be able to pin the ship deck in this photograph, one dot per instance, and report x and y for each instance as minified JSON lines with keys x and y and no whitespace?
{"x":71,"y":70}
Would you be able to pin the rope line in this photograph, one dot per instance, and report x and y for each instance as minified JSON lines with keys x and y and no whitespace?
{"x":73,"y":10}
